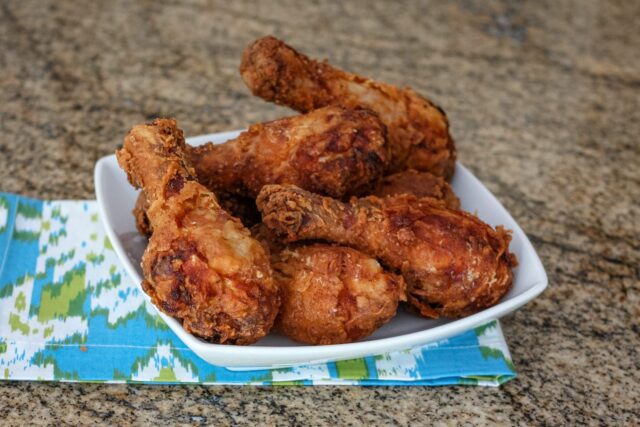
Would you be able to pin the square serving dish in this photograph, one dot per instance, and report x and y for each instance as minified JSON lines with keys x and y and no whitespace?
{"x":116,"y":198}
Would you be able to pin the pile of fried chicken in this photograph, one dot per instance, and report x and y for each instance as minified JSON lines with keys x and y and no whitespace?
{"x":318,"y":224}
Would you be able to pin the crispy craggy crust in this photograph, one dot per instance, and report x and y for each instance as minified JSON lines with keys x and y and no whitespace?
{"x":454,"y":264}
{"x":333,"y":151}
{"x":419,"y":184}
{"x":418,"y":130}
{"x":201,"y":265}
{"x":333,"y":294}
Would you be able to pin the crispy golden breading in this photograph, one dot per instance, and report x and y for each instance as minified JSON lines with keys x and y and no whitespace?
{"x":333,"y":151}
{"x":201,"y":265}
{"x":419,"y":184}
{"x":418,"y":130}
{"x":454,"y":264}
{"x":333,"y":294}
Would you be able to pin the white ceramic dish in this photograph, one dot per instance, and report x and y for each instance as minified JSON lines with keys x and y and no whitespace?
{"x":116,"y":198}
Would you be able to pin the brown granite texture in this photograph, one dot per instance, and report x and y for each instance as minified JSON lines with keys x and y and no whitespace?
{"x":544,"y":101}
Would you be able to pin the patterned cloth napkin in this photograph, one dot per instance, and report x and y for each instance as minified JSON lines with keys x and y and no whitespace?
{"x":69,"y":312}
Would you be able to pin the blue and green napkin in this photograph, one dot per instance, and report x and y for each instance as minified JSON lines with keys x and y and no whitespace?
{"x":69,"y":312}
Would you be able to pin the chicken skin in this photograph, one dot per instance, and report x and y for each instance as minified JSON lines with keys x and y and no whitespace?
{"x":419,"y":184}
{"x":201,"y":265}
{"x":418,"y":129}
{"x":333,"y":151}
{"x":454,"y":264}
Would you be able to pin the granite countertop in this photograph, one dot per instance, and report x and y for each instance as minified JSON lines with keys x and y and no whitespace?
{"x":544,"y":102}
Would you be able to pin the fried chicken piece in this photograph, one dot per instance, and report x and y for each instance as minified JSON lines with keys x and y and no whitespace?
{"x":418,"y":129}
{"x":330,"y":294}
{"x":201,"y":265}
{"x":454,"y":264}
{"x":333,"y":151}
{"x":333,"y":294}
{"x":419,"y":184}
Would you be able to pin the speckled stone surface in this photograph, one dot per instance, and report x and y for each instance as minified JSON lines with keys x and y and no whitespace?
{"x":544,"y":101}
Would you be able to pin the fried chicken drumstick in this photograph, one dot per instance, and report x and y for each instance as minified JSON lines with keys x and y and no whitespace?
{"x":201,"y":265}
{"x":333,"y":294}
{"x":330,"y":294}
{"x":333,"y":151}
{"x":418,"y":130}
{"x":454,"y":264}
